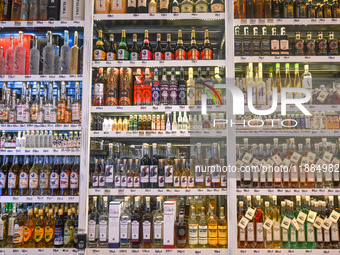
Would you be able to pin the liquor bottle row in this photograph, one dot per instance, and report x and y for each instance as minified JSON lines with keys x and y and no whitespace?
{"x":285,"y":9}
{"x":147,"y":52}
{"x":42,"y":10}
{"x":40,"y":176}
{"x":44,"y":109}
{"x":161,"y":171}
{"x":117,"y":88}
{"x":153,"y":6}
{"x":168,"y":122}
{"x":318,"y":120}
{"x":262,"y":91}
{"x":49,"y":59}
{"x":304,"y":223}
{"x":288,"y":166}
{"x":276,"y":45}
{"x":38,"y":226}
{"x":190,"y":222}
{"x":43,"y":139}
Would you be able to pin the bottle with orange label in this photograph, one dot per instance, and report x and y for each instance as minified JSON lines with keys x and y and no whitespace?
{"x":138,"y":96}
{"x":29,"y":227}
{"x":146,"y":88}
{"x":99,"y":52}
{"x":193,"y":53}
{"x":180,"y":53}
{"x":62,"y":104}
{"x":207,"y":49}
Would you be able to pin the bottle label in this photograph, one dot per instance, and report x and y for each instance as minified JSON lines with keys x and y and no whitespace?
{"x":187,"y":8}
{"x":74,"y":180}
{"x":177,"y":181}
{"x":68,"y":234}
{"x":216,"y":177}
{"x":269,"y":237}
{"x":146,"y":93}
{"x":175,"y":9}
{"x":92,"y":230}
{"x":117,"y":181}
{"x":319,"y":235}
{"x":59,"y":236}
{"x":199,"y":175}
{"x":193,"y":234}
{"x":203,"y":235}
{"x":207,"y":54}
{"x":99,"y":55}
{"x":43,"y":181}
{"x":242,"y":236}
{"x":284,"y":45}
{"x":123,"y":54}
{"x":163,"y":4}
{"x":207,"y":181}
{"x":159,"y":56}
{"x":169,"y":171}
{"x":34,"y":181}
{"x":18,"y":234}
{"x":182,"y":94}
{"x":146,"y":230}
{"x":161,"y":181}
{"x":173,"y":93}
{"x":116,"y":5}
{"x":334,"y":232}
{"x":142,"y":3}
{"x":27,"y":233}
{"x":95,"y":181}
{"x":301,"y":233}
{"x":191,"y":94}
{"x":123,"y":230}
{"x":123,"y":181}
{"x":99,"y":93}
{"x":38,"y":234}
{"x":102,"y":231}
{"x":135,"y":231}
{"x":23,"y":181}
{"x":101,"y":5}
{"x":193,"y":54}
{"x":64,"y":180}
{"x":75,"y":112}
{"x":48,"y":234}
{"x":180,"y":54}
{"x":201,"y":8}
{"x":156,"y":92}
{"x":144,"y":174}
{"x":333,"y":48}
{"x":292,"y":235}
{"x":134,"y":56}
{"x":184,"y":181}
{"x":212,"y":235}
{"x":250,"y":232}
{"x":259,"y":232}
{"x":158,"y":230}
{"x":145,"y":54}
{"x":154,"y":173}
{"x":164,"y":93}
{"x":3,"y":180}
{"x":109,"y":171}
{"x":217,"y":8}
{"x":130,"y":181}
{"x":168,"y":55}
{"x":132,"y":3}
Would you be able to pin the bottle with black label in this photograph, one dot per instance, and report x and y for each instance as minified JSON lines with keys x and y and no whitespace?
{"x":310,"y":9}
{"x":134,"y":51}
{"x":246,"y":42}
{"x":333,"y":45}
{"x":284,"y":43}
{"x":310,"y":45}
{"x":238,"y":42}
{"x":53,"y":10}
{"x":131,"y":6}
{"x":111,"y":52}
{"x":321,"y":45}
{"x":159,"y":53}
{"x":276,"y":9}
{"x":182,"y":89}
{"x":142,"y":6}
{"x":274,"y":43}
{"x":256,"y":42}
{"x":265,"y":42}
{"x":287,"y":9}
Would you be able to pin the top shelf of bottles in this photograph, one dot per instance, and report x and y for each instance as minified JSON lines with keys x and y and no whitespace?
{"x":159,"y":16}
{"x":265,"y":22}
{"x":46,"y":23}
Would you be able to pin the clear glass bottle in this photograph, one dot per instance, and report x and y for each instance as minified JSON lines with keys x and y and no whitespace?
{"x":48,"y":55}
{"x":20,"y":56}
{"x":65,"y":55}
{"x":103,"y":220}
{"x":34,"y":59}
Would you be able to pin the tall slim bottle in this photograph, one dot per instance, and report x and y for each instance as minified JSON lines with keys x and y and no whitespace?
{"x":48,"y":55}
{"x":65,"y":55}
{"x":66,"y":9}
{"x":74,"y":55}
{"x":19,"y":64}
{"x":34,"y":59}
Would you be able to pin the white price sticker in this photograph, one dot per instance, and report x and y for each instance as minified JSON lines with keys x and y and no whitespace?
{"x":250,"y":213}
{"x":301,"y":218}
{"x":334,"y":216}
{"x":243,"y":223}
{"x":318,"y":222}
{"x":311,"y":216}
{"x":285,"y":223}
{"x":327,"y":223}
{"x":268,"y":224}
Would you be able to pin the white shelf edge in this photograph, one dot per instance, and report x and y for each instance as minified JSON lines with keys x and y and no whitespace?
{"x":41,"y":151}
{"x":158,"y":16}
{"x":287,"y":251}
{"x":9,"y":127}
{"x":279,"y":21}
{"x":42,"y":78}
{"x":38,"y":251}
{"x":156,"y":108}
{"x":156,"y":63}
{"x":319,"y":108}
{"x":284,"y":59}
{"x":157,"y":191}
{"x":285,"y":132}
{"x":146,"y":251}
{"x":158,"y":134}
{"x":39,"y":199}
{"x":45,"y":23}
{"x":287,"y":192}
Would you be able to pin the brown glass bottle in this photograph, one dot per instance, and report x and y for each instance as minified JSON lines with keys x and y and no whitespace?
{"x":336,"y":9}
{"x":268,"y":11}
{"x":258,"y":12}
{"x":327,"y":9}
{"x":310,"y":45}
{"x":299,"y":45}
{"x":99,"y":88}
{"x":333,"y":45}
{"x":207,"y":50}
{"x":310,"y":9}
{"x":193,"y":53}
{"x":250,"y":9}
{"x":318,"y":11}
{"x":288,"y":9}
{"x":321,"y":45}
{"x":180,"y":52}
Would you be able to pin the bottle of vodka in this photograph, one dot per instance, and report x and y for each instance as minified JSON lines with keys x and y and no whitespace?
{"x":48,"y":55}
{"x":66,"y":9}
{"x":34,"y":58}
{"x":20,"y":56}
{"x":2,"y":61}
{"x":65,"y":55}
{"x":56,"y":60}
{"x":78,"y":9}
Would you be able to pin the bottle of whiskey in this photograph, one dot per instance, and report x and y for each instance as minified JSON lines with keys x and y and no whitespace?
{"x":217,"y":6}
{"x":310,"y":47}
{"x":300,"y":9}
{"x":164,"y":6}
{"x":274,"y":43}
{"x":284,"y":43}
{"x":321,"y":45}
{"x":111,"y":51}
{"x":310,"y":9}
{"x":201,"y":6}
{"x":258,"y":12}
{"x":336,"y":9}
{"x":333,"y":45}
{"x":288,"y":9}
{"x":99,"y":51}
{"x":265,"y":43}
{"x":327,"y":9}
{"x":299,"y":44}
{"x":238,"y":42}
{"x":247,"y":42}
{"x":318,"y":11}
{"x":181,"y":231}
{"x":256,"y":42}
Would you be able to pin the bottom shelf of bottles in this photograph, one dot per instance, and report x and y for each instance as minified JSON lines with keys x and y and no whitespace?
{"x":35,"y":251}
{"x":287,"y":252}
{"x":157,"y":251}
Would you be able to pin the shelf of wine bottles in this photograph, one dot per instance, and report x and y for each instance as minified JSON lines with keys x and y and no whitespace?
{"x":159,"y":134}
{"x":10,"y":127}
{"x":288,"y":192}
{"x":283,"y":59}
{"x":292,"y":132}
{"x":42,"y":78}
{"x":39,"y":23}
{"x":287,"y":252}
{"x":296,"y":21}
{"x":158,"y":108}
{"x":154,"y":251}
{"x":161,"y":63}
{"x":158,"y":16}
{"x":39,"y":199}
{"x":158,"y":192}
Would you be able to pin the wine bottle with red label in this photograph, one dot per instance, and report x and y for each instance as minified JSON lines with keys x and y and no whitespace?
{"x":146,"y":50}
{"x":207,"y":49}
{"x":180,"y":52}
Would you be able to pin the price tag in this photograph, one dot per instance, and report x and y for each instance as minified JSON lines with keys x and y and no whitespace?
{"x":285,"y":223}
{"x":268,"y":224}
{"x":301,"y":218}
{"x":243,"y":223}
{"x":318,"y":222}
{"x":65,"y":251}
{"x":311,"y":216}
{"x":334,"y":216}
{"x":41,"y":251}
{"x":17,"y":23}
{"x":55,"y":251}
{"x":327,"y":223}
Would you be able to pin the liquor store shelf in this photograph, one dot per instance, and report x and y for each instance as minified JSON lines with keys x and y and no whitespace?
{"x":159,"y":134}
{"x":9,"y":78}
{"x":160,"y":251}
{"x":39,"y":199}
{"x":265,"y":22}
{"x":157,"y":108}
{"x":157,"y":191}
{"x":156,"y":63}
{"x":50,"y":152}
{"x":158,"y":16}
{"x":293,"y":132}
{"x":293,"y":108}
{"x":288,"y":192}
{"x":47,"y":23}
{"x":10,"y":127}
{"x":288,"y":252}
{"x":284,"y":59}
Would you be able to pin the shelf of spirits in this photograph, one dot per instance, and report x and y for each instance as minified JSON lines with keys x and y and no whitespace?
{"x":284,"y":132}
{"x":293,"y":22}
{"x":158,"y":108}
{"x":45,"y":151}
{"x":42,"y":78}
{"x":160,"y":63}
{"x":38,"y":251}
{"x":154,"y":251}
{"x":158,"y":16}
{"x":39,"y":199}
{"x":287,"y":251}
{"x":288,"y":192}
{"x":284,"y":59}
{"x":40,"y":23}
{"x":158,"y":192}
{"x":160,"y":134}
{"x":15,"y":127}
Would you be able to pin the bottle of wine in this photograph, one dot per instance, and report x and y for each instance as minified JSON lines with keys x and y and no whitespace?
{"x":99,"y":51}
